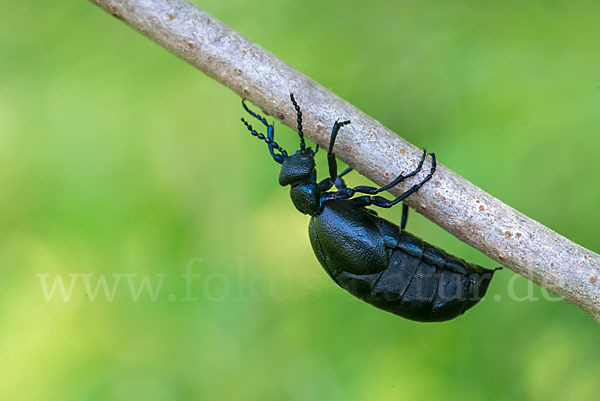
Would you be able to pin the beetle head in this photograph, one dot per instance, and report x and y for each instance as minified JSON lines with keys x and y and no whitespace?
{"x":298,"y":171}
{"x":297,"y":167}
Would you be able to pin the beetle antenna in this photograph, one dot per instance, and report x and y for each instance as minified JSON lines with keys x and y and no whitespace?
{"x":299,"y":120}
{"x":255,"y":115}
{"x":272,"y":144}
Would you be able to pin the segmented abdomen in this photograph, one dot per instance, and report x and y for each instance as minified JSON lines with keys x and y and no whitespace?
{"x":421,"y":282}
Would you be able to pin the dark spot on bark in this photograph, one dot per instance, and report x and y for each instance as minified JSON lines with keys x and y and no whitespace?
{"x":190,"y":45}
{"x":114,"y":10}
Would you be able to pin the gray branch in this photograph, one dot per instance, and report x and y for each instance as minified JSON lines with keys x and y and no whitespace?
{"x":472,"y":215}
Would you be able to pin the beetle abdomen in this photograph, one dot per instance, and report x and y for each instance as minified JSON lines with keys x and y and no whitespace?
{"x":415,"y":288}
{"x":421,"y":282}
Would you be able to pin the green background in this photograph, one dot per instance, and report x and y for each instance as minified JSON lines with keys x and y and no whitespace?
{"x":118,"y":158}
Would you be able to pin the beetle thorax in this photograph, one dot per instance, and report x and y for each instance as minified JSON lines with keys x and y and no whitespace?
{"x":298,"y":170}
{"x":306,"y":197}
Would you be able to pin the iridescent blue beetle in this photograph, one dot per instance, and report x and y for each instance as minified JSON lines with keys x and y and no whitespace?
{"x":370,"y":257}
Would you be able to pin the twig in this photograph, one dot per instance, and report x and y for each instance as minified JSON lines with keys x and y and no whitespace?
{"x":475,"y":217}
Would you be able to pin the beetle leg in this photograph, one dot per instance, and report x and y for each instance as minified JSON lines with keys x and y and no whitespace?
{"x":325,"y":184}
{"x":345,"y":193}
{"x":330,"y":155}
{"x":339,"y":181}
{"x":343,"y":173}
{"x":364,"y":189}
{"x":404,"y":216}
{"x":385,"y":203}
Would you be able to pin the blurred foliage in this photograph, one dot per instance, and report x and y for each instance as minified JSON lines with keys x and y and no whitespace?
{"x":118,"y":158}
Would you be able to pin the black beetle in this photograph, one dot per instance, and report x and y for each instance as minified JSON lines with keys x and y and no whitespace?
{"x":372,"y":258}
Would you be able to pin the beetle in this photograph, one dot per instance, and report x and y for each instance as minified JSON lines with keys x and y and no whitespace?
{"x":370,"y":257}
